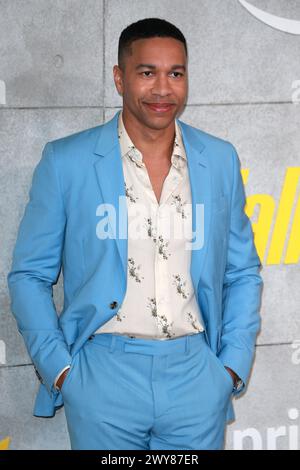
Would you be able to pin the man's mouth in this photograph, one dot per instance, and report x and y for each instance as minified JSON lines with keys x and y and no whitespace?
{"x":160,"y":107}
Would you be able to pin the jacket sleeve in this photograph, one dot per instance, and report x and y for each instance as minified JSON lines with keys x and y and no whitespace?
{"x":242,"y":286}
{"x":35,"y":268}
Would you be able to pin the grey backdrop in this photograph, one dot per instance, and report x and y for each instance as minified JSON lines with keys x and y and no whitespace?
{"x":56,"y":60}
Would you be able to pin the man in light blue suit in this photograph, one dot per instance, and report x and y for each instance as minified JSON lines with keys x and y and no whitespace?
{"x":139,"y":390}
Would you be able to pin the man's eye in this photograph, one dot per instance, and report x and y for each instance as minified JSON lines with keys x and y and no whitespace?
{"x":147,"y":71}
{"x":178,"y":74}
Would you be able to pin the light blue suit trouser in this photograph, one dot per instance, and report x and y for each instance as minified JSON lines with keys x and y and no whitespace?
{"x":136,"y":393}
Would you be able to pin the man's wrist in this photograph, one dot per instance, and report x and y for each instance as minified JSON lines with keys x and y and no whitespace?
{"x":234,"y":376}
{"x":61,"y":377}
{"x":237,"y":381}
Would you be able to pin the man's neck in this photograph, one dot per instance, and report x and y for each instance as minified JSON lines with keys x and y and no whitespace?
{"x":154,"y":144}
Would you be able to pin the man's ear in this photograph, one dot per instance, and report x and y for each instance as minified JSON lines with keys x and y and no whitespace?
{"x":118,"y":79}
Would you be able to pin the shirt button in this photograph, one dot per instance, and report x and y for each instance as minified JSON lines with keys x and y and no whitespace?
{"x":113,"y":304}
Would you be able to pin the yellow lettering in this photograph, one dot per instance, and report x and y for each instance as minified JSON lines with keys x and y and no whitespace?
{"x":283,"y":215}
{"x":261,"y":228}
{"x":4,"y":444}
{"x":293,"y":249}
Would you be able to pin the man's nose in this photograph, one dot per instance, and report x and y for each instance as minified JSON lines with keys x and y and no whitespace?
{"x":162,"y":85}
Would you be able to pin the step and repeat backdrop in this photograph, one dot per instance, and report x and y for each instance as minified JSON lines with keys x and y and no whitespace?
{"x":56,"y":61}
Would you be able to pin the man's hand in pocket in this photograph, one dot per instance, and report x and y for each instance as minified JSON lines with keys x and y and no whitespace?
{"x":61,"y":378}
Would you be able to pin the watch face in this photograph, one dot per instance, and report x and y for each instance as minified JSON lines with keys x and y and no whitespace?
{"x":238,"y":384}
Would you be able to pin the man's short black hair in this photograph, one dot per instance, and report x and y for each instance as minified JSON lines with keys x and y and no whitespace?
{"x":146,"y":28}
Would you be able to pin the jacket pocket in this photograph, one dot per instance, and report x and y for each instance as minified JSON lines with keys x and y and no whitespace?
{"x":221,"y":366}
{"x":68,"y":376}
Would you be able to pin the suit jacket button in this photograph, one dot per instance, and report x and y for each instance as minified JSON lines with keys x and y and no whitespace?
{"x":113,"y":304}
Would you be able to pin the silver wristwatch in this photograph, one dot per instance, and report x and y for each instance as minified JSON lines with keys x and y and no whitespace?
{"x":238,"y":385}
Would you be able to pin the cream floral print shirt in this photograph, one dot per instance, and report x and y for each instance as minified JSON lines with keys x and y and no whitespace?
{"x":160,"y":302}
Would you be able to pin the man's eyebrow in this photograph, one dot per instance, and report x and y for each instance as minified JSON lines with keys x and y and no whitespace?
{"x":151,"y":66}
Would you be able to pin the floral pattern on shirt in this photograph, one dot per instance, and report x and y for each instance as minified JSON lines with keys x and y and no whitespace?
{"x":132,"y":270}
{"x":162,"y":321}
{"x":120,"y":315}
{"x":159,"y":301}
{"x":180,"y":285}
{"x":129,"y":192}
{"x":158,"y":240}
{"x":194,"y":322}
{"x":179,"y":205}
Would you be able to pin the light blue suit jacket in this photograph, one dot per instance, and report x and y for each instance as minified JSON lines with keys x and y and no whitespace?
{"x":58,"y":231}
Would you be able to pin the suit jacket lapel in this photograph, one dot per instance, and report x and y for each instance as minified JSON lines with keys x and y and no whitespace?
{"x":200,"y":181}
{"x":110,"y":176}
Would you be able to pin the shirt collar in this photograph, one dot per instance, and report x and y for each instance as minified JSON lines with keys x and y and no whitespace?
{"x":178,"y":157}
